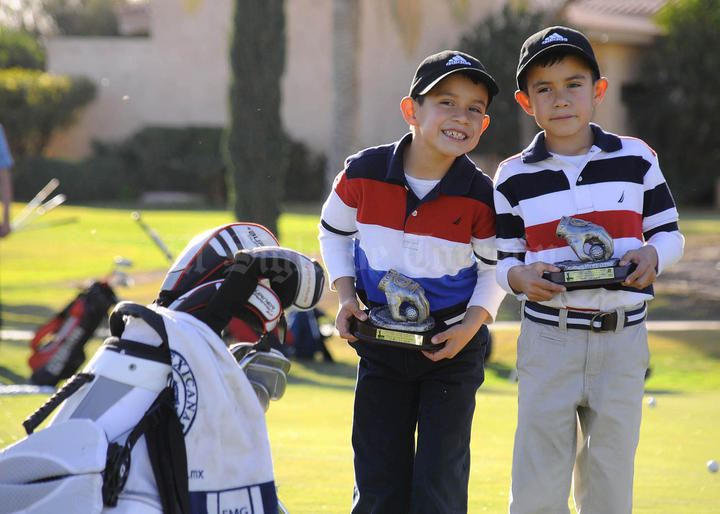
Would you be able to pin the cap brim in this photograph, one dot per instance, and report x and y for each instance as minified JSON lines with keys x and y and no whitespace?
{"x":486,"y":78}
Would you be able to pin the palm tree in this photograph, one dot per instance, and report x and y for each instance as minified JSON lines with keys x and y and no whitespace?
{"x":345,"y":37}
{"x":255,"y":142}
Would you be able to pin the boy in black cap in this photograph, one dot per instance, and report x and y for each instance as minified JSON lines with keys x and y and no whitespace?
{"x":582,"y":353}
{"x":418,"y":206}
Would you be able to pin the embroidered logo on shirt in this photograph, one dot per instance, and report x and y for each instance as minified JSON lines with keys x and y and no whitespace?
{"x":457,"y":221}
{"x":622,"y":197}
{"x":552,"y":38}
{"x":458,"y":59}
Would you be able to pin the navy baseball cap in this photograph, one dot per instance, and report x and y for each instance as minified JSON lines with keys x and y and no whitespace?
{"x":553,"y":38}
{"x":438,"y":66}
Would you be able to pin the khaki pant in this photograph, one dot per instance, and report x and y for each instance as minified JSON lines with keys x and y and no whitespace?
{"x":579,"y":407}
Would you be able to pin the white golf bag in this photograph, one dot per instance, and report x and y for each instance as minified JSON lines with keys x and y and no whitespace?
{"x":165,"y":418}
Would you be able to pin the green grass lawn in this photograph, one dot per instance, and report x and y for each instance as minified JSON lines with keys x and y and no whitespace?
{"x":310,"y":427}
{"x":41,"y":270}
{"x":310,"y":430}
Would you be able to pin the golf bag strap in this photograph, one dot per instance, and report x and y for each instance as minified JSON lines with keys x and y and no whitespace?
{"x":168,"y":457}
{"x":166,"y":448}
{"x":152,"y":318}
{"x":160,"y":424}
{"x":72,"y":385}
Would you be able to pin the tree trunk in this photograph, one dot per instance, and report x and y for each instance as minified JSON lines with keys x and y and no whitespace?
{"x":346,"y":28}
{"x":255,"y":141}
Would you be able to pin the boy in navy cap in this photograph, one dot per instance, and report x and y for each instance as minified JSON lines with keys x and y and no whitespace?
{"x":418,"y":206}
{"x":582,"y":353}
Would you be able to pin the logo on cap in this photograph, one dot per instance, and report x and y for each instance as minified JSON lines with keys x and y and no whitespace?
{"x":552,"y":38}
{"x":458,"y":59}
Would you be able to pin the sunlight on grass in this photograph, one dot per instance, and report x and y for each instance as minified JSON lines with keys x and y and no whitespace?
{"x":310,"y":427}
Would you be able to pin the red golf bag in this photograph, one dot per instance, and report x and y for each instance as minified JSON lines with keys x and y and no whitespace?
{"x":58,"y":346}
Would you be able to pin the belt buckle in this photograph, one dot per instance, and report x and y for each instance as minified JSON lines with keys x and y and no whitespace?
{"x":601,"y":316}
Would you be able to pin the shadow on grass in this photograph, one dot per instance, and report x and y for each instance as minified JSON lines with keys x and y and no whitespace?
{"x":25,"y":316}
{"x":327,"y":374}
{"x":8,"y":376}
{"x":499,"y":369}
{"x":661,"y":392}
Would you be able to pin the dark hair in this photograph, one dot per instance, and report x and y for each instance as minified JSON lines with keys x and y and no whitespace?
{"x":553,"y":57}
{"x":466,"y":73}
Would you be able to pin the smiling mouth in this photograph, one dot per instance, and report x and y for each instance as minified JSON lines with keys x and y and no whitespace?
{"x":456,"y":135}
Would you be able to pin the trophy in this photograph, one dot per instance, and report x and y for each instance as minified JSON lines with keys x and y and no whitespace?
{"x":405,"y":321}
{"x":594,"y":246}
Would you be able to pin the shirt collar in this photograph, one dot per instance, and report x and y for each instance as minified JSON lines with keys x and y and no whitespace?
{"x":457,"y":180}
{"x":537,"y":151}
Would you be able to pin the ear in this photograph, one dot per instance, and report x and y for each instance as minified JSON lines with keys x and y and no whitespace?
{"x":485,"y":123}
{"x":522,"y":98}
{"x":408,"y":106}
{"x":599,"y":88}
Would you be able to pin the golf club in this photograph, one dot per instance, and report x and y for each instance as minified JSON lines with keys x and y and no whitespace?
{"x":153,"y":235}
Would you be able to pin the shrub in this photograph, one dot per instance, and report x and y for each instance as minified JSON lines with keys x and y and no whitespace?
{"x":84,"y":17}
{"x":170,"y":159}
{"x":19,"y":49}
{"x":496,"y":41}
{"x":675,"y":107}
{"x":304,"y":177}
{"x":160,"y":159}
{"x":34,"y":103}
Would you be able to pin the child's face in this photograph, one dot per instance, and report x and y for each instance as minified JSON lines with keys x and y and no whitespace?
{"x":451,"y":118}
{"x":562,"y":97}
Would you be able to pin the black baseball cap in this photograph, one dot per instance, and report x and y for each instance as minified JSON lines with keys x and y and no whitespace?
{"x":438,"y":66}
{"x":553,"y":38}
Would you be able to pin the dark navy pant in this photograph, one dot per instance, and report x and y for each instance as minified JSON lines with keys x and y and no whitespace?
{"x":397,"y":392}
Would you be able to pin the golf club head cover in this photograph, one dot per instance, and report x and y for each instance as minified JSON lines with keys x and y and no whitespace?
{"x":261,"y":311}
{"x":297,"y":280}
{"x":208,"y":256}
{"x":260,"y":284}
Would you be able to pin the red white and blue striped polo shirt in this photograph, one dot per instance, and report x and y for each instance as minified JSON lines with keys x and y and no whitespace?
{"x":618,"y":185}
{"x":372,"y":222}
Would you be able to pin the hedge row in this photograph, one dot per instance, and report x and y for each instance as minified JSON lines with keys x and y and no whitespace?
{"x":159,"y":159}
{"x":34,"y":103}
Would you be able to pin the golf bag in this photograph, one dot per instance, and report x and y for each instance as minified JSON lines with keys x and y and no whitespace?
{"x":59,"y":345}
{"x":164,"y":417}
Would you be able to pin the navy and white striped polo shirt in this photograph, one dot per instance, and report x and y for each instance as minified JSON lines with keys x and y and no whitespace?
{"x":618,"y":185}
{"x":372,"y":222}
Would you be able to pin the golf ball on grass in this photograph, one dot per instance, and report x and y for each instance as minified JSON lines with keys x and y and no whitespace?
{"x":712,"y":465}
{"x":651,"y":401}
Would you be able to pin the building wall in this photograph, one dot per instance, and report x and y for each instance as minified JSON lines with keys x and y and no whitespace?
{"x":176,"y":77}
{"x":179,"y":75}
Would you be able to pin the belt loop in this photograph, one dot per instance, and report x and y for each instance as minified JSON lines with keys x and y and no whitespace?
{"x":522,"y":310}
{"x":562,"y":319}
{"x":620,"y":311}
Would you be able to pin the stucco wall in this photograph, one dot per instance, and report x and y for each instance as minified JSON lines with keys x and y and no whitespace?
{"x":179,"y":75}
{"x":176,"y":77}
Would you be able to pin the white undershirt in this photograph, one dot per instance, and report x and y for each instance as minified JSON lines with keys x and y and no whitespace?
{"x":421,"y":186}
{"x":578,"y":161}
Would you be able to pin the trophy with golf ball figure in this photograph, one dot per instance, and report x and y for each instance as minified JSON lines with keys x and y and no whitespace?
{"x":594,"y":247}
{"x":405,"y":321}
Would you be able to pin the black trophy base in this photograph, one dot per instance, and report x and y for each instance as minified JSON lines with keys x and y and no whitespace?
{"x":583,"y":275}
{"x":366,"y":331}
